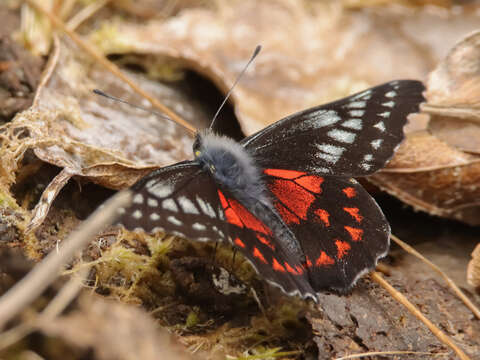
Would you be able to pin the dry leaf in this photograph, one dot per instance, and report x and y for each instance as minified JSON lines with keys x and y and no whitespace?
{"x":440,"y":169}
{"x":114,"y":331}
{"x":473,"y":269}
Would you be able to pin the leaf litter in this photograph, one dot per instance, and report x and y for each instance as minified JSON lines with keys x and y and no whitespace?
{"x":113,"y":145}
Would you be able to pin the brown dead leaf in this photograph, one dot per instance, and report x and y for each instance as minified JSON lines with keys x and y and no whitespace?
{"x":440,"y":169}
{"x":114,"y":331}
{"x":473,"y":269}
{"x":70,"y":127}
{"x":312,"y":53}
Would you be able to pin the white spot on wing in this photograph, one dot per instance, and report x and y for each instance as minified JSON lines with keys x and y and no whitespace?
{"x":376,"y":143}
{"x":152,"y":202}
{"x":138,"y":199}
{"x":368,"y":157}
{"x":187,"y":206}
{"x":357,"y":113}
{"x":380,"y":126}
{"x":154,"y":216}
{"x":158,"y":189}
{"x":385,"y":114}
{"x":206,"y":208}
{"x":389,"y":104}
{"x":325,"y":118}
{"x":342,"y":136}
{"x":365,"y":95}
{"x":174,"y":221}
{"x":331,"y":149}
{"x":198,"y":226}
{"x":169,"y":204}
{"x":355,"y":124}
{"x":332,"y":159}
{"x":390,"y":94}
{"x":366,"y":166}
{"x":356,"y":104}
{"x":137,"y":214}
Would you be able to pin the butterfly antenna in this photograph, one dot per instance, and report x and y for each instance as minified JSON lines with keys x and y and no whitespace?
{"x":254,"y":55}
{"x":101,"y":93}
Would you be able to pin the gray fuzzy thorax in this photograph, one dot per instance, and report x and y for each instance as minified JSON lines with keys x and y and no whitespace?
{"x":231,"y":166}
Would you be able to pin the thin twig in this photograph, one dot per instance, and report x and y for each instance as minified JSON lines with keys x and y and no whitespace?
{"x":63,"y":298}
{"x":385,"y":353}
{"x":378,"y":278}
{"x":85,"y":13}
{"x":109,"y":65}
{"x":45,"y":273}
{"x":445,"y":277}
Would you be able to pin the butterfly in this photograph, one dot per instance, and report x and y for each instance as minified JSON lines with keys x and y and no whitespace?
{"x":285,"y":197}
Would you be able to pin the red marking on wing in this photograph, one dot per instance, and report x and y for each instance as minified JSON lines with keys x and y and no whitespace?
{"x":290,"y":269}
{"x":342,"y":248}
{"x":350,"y":192}
{"x":311,"y":182}
{"x":233,"y":218}
{"x":265,"y":242}
{"x":355,"y":233}
{"x":293,"y":196}
{"x":284,"y":174}
{"x":299,"y":269}
{"x":287,"y":216}
{"x":323,"y":215}
{"x":277,"y":266}
{"x":308,"y":262}
{"x":324,"y":260}
{"x":355,"y":213}
{"x":223,"y":201}
{"x":239,"y":242}
{"x":259,"y":255}
{"x":248,"y":218}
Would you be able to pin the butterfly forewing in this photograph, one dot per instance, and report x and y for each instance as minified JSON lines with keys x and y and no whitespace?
{"x":341,"y":229}
{"x":354,"y":136}
{"x":181,"y":200}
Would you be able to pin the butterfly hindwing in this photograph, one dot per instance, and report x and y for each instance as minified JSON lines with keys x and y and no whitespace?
{"x":255,"y":240}
{"x":341,"y":229}
{"x":354,"y":136}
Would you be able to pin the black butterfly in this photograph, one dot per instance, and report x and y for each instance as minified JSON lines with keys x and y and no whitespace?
{"x":285,"y":196}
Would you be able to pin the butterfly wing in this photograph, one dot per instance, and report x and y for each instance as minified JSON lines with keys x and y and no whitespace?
{"x":185,"y":201}
{"x":354,"y":136}
{"x":340,"y":227}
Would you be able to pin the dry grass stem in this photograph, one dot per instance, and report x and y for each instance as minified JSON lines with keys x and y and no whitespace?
{"x":435,"y":268}
{"x":378,"y":278}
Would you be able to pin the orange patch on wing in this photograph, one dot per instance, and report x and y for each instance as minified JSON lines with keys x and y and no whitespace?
{"x":223,"y":201}
{"x":277,"y":266}
{"x":355,"y":233}
{"x":290,"y":269}
{"x":342,"y":248}
{"x":355,"y":212}
{"x":233,"y":218}
{"x":299,"y":269}
{"x":350,"y":192}
{"x":324,"y":260}
{"x":259,"y":255}
{"x":287,"y":216}
{"x":248,"y":218}
{"x":308,"y":262}
{"x":284,"y":174}
{"x":293,"y":196}
{"x":239,"y":242}
{"x":311,"y":182}
{"x":323,"y":215}
{"x":265,"y":241}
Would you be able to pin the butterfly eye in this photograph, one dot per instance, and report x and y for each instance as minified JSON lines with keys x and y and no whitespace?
{"x":212,"y":168}
{"x":197,"y":153}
